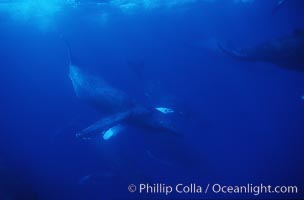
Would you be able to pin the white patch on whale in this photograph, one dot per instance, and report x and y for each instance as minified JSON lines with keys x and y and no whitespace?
{"x":164,"y":110}
{"x":111,"y":132}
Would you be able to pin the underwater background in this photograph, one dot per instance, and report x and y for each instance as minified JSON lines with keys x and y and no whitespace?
{"x":239,"y":122}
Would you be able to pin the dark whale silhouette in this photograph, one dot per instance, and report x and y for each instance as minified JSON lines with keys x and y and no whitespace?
{"x":118,"y":108}
{"x":286,"y":51}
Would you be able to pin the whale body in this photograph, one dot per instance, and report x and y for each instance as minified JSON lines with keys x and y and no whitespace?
{"x":286,"y":51}
{"x":97,"y":92}
{"x":119,"y":109}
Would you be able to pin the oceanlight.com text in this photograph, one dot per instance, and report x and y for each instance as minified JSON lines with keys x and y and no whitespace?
{"x":254,"y":189}
{"x":194,"y":188}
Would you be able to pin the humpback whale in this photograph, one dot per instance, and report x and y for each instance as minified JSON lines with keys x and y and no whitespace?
{"x":118,"y":108}
{"x":286,"y":51}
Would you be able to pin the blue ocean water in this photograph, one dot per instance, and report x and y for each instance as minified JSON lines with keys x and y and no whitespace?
{"x":238,"y":122}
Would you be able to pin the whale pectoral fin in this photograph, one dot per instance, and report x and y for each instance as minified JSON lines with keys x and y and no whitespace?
{"x":113,"y":131}
{"x":108,"y":127}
